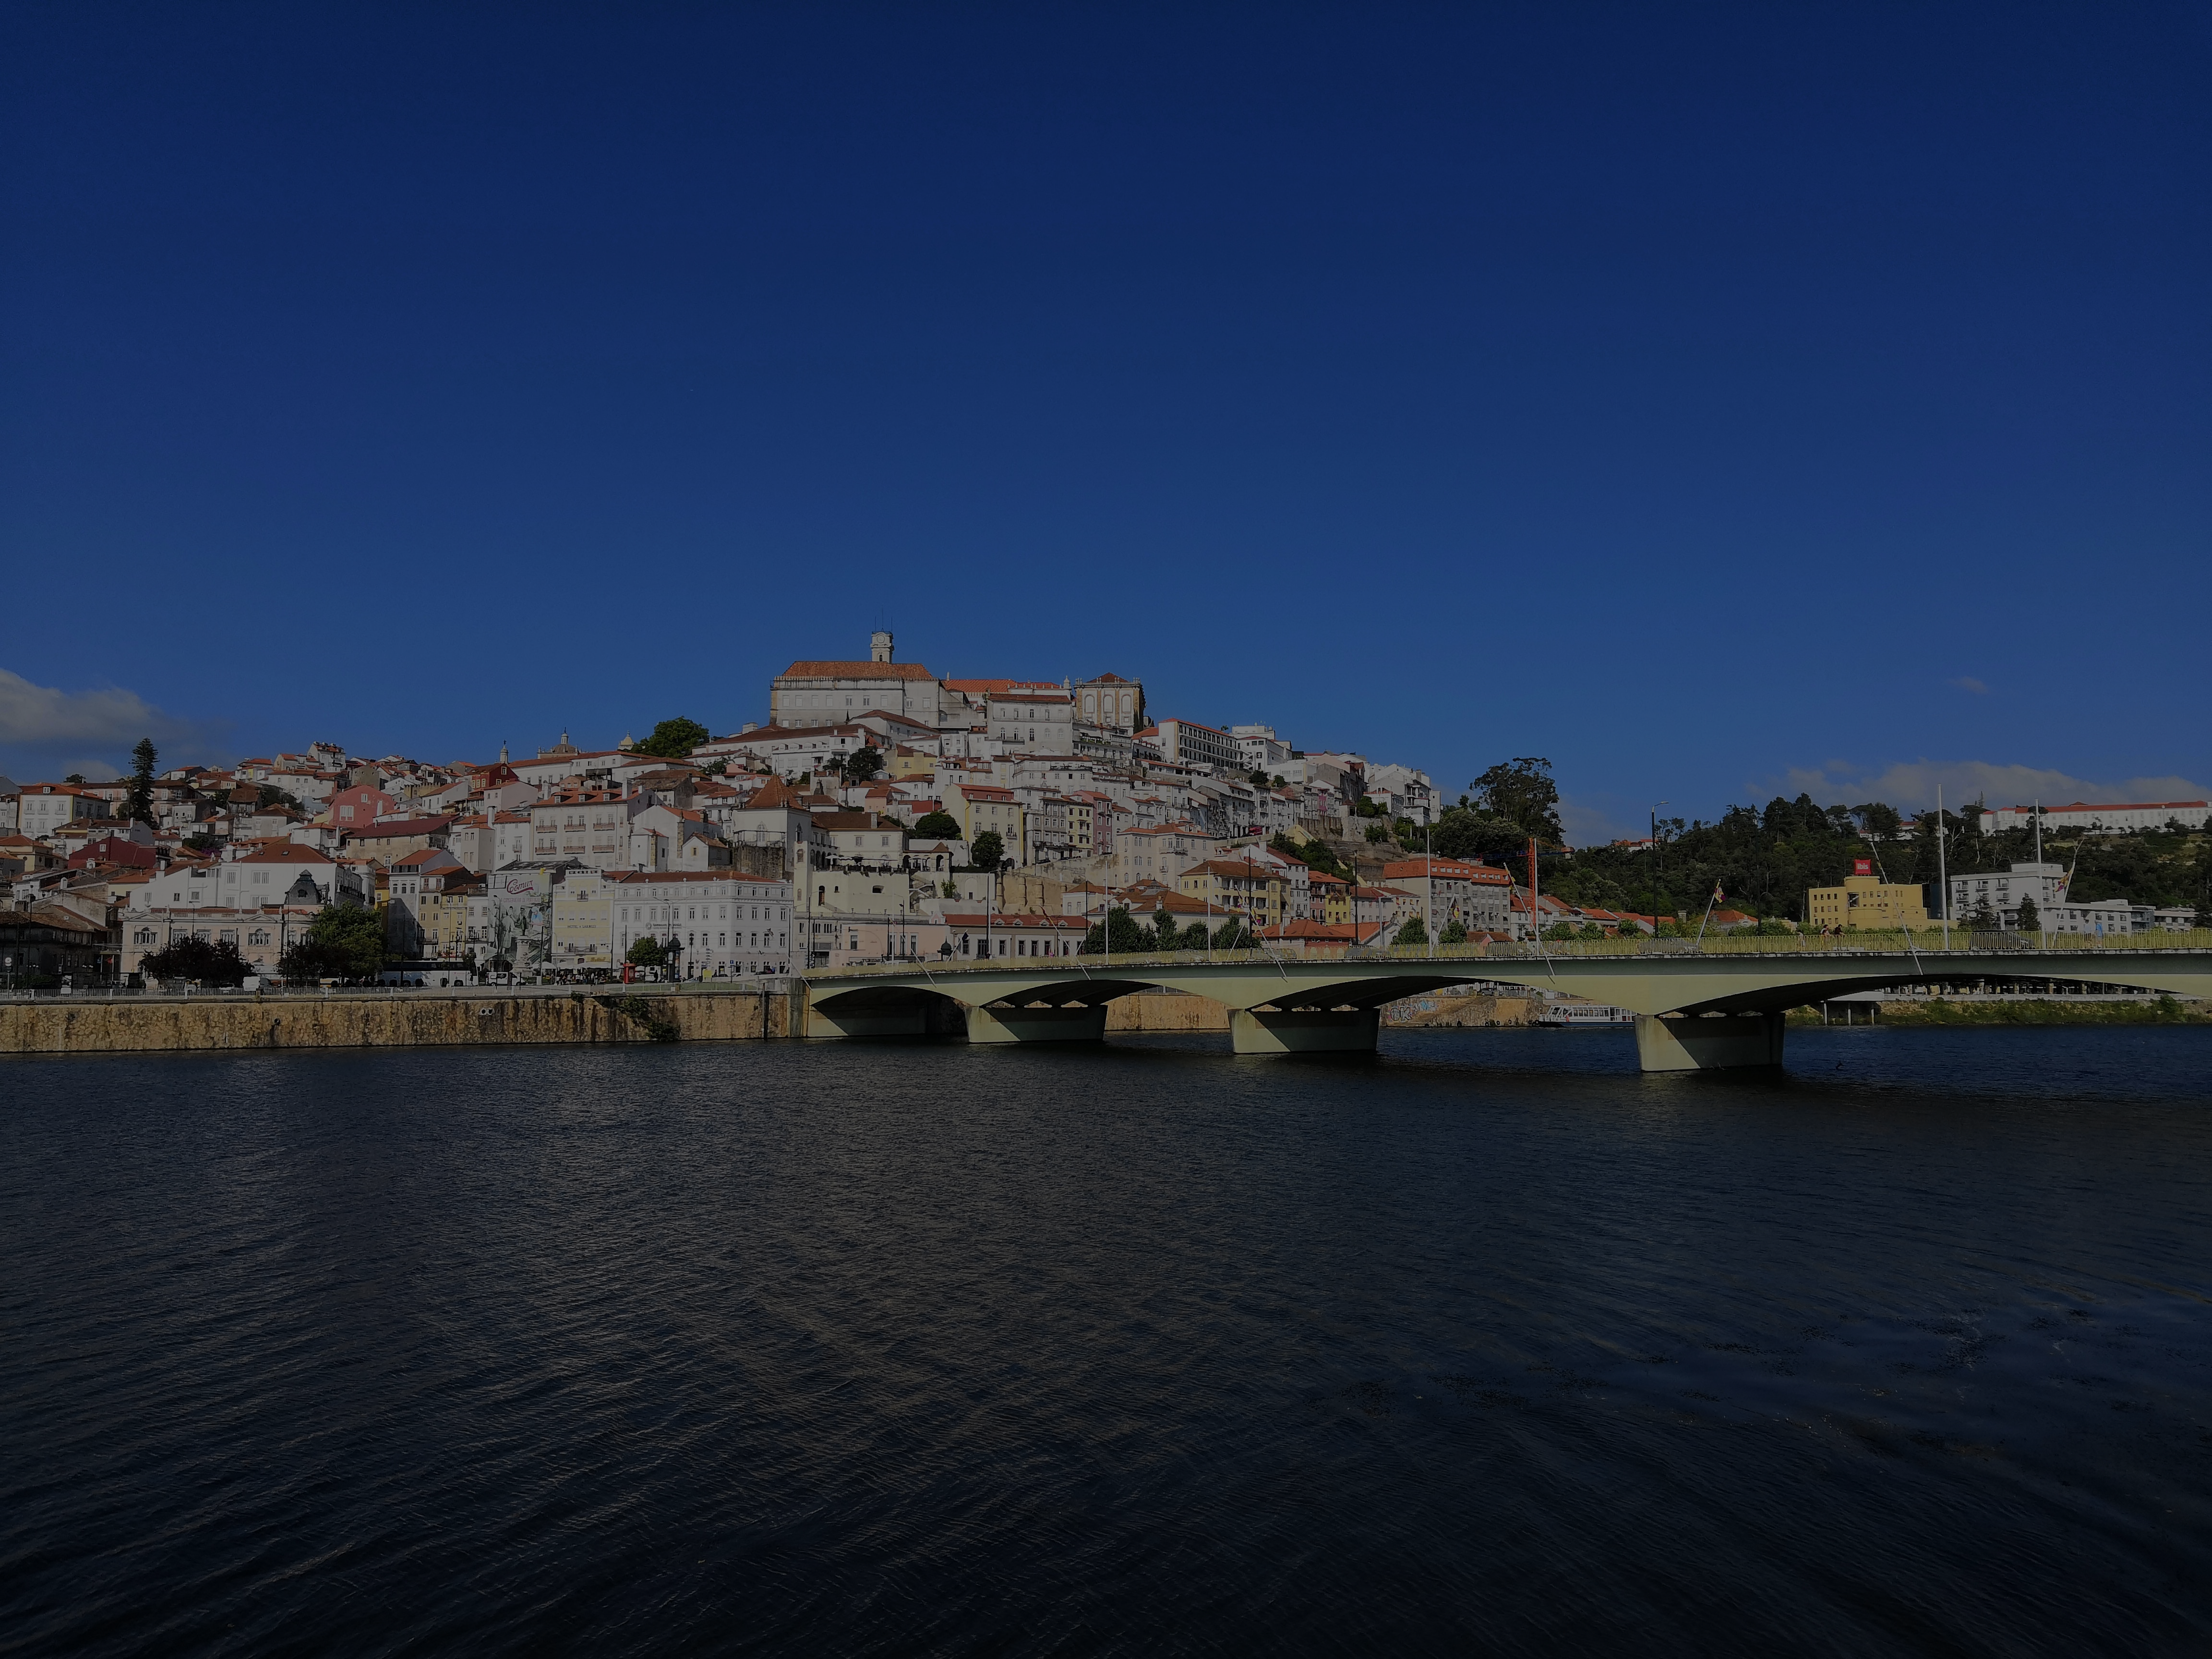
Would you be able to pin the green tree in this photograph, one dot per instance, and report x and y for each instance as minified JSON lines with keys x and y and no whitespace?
{"x":1379,"y":833}
{"x":1879,"y":819}
{"x":198,"y":960}
{"x":1129,"y":938}
{"x":1415,"y":932}
{"x":1476,"y":836}
{"x":646,"y":952}
{"x":1259,"y":778}
{"x":987,"y":852}
{"x":863,"y":763}
{"x":1314,"y":854}
{"x":2030,"y":919}
{"x":672,"y":739}
{"x":1166,"y":933}
{"x":1522,"y":792}
{"x":1982,"y":920}
{"x":344,"y":941}
{"x":139,"y":804}
{"x":1195,"y":936}
{"x":1455,"y":933}
{"x":1233,"y":936}
{"x":269,"y":795}
{"x":939,"y":825}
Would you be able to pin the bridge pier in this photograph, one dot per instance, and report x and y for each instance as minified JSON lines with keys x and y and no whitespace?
{"x":1037,"y":1025}
{"x":1696,"y":1043}
{"x":1303,"y":1030}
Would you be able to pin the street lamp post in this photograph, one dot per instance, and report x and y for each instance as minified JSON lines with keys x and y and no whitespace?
{"x":1428,"y":889}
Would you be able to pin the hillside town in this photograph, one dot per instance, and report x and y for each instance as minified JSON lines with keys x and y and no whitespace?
{"x":881,"y":812}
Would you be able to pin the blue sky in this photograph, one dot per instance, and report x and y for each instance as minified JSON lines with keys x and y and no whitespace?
{"x":1712,"y":399}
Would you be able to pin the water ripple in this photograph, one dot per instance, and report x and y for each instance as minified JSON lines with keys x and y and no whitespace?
{"x":1487,"y":1343}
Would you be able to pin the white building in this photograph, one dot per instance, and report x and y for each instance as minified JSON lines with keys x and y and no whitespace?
{"x":823,"y":692}
{"x":2105,"y":916}
{"x":44,"y":808}
{"x":2107,"y":819}
{"x":1257,"y":749}
{"x":1187,"y":743}
{"x":2002,"y":891}
{"x":1032,"y":722}
{"x":725,"y":922}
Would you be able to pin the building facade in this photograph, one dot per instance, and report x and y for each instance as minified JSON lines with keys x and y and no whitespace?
{"x":2044,"y":884}
{"x":1865,"y":900}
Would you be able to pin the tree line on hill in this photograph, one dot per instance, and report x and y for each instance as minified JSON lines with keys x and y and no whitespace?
{"x":1763,"y":860}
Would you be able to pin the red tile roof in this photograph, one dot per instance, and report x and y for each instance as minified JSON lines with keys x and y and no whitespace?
{"x":826,"y":670}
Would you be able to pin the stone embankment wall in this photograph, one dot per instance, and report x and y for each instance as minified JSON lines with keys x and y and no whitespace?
{"x":1170,"y":1011}
{"x":61,"y":1025}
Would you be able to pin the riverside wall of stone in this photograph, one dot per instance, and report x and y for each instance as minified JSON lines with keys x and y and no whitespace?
{"x":60,"y":1025}
{"x":55,"y":1026}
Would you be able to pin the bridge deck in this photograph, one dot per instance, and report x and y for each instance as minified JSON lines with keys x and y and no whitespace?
{"x":1279,"y":1003}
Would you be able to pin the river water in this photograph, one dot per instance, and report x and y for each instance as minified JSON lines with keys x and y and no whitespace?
{"x":1484,"y":1344}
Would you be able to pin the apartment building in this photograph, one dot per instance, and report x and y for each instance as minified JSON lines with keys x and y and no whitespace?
{"x":2002,"y":891}
{"x":984,"y":808}
{"x":1238,"y":887}
{"x":591,"y":826}
{"x":1187,"y":743}
{"x":1478,"y":896}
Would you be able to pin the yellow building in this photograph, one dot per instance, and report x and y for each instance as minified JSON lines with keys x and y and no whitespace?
{"x":1865,"y":900}
{"x":1330,"y":897}
{"x":1229,"y":888}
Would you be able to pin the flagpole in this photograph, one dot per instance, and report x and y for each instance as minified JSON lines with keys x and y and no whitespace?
{"x":1708,"y":916}
{"x":1943,"y":876}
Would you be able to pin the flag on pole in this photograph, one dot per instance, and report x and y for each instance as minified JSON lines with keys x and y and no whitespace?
{"x":1717,"y":895}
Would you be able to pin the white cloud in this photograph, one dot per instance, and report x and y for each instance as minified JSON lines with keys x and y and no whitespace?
{"x":1968,"y":683}
{"x":47,"y":732}
{"x":1911,"y":785}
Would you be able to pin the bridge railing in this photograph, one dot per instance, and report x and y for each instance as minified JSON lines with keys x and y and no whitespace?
{"x":1795,"y":945}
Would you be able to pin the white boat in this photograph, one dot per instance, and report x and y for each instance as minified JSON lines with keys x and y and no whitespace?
{"x":1584,"y":1013}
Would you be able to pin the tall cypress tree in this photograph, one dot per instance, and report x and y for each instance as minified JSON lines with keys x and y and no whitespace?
{"x":139,"y":803}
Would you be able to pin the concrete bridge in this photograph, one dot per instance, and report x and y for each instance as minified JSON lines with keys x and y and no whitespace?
{"x":1716,"y":1004}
